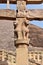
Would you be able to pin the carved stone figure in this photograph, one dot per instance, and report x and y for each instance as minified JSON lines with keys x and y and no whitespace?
{"x":18,"y":28}
{"x":22,"y":28}
{"x":21,"y":5}
{"x":25,"y":30}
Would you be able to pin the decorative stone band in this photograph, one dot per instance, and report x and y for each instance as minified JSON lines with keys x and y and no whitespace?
{"x":7,"y":14}
{"x":29,"y":14}
{"x":27,"y":1}
{"x":22,"y":42}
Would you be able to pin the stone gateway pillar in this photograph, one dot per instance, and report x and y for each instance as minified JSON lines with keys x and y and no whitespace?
{"x":22,"y":41}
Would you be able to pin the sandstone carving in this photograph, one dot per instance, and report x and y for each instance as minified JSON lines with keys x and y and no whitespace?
{"x":21,"y":31}
{"x":29,"y":14}
{"x":22,"y":28}
{"x":21,"y":5}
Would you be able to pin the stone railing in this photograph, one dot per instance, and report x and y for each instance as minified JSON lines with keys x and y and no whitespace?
{"x":35,"y":57}
{"x":8,"y":56}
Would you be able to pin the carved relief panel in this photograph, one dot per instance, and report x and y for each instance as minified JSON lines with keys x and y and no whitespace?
{"x":21,"y":8}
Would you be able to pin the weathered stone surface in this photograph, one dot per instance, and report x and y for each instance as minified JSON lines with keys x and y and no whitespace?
{"x":32,"y":48}
{"x":21,"y":5}
{"x":7,"y":13}
{"x":28,"y":1}
{"x":35,"y":14}
{"x":34,"y":1}
{"x":22,"y":55}
{"x":21,"y":14}
{"x":22,"y":28}
{"x":3,"y":63}
{"x":22,"y":31}
{"x":30,"y":14}
{"x":6,"y":35}
{"x":36,"y":36}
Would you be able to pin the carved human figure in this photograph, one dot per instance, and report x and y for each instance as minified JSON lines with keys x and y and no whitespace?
{"x":22,"y":28}
{"x":21,"y":8}
{"x":25,"y":30}
{"x":19,"y":28}
{"x":21,"y":5}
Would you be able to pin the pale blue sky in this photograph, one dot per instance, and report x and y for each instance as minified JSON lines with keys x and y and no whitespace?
{"x":32,"y":6}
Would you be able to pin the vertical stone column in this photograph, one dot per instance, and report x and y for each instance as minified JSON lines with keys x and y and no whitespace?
{"x":22,"y":42}
{"x":22,"y":55}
